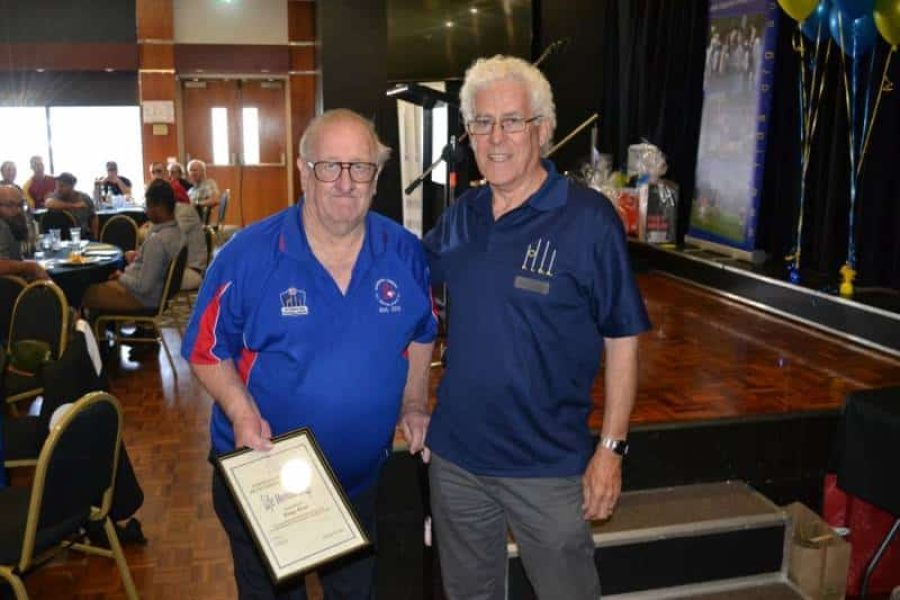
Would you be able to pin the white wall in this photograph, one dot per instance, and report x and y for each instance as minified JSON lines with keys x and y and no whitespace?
{"x":231,"y":21}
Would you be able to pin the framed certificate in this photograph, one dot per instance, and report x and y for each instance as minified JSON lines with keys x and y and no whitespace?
{"x":292,"y":504}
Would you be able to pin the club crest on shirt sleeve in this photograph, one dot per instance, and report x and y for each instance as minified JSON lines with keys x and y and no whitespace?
{"x":388,"y":296}
{"x":293,"y":303}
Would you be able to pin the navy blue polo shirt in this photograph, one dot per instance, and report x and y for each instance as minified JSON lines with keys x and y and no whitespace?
{"x":309,"y":355}
{"x":532,"y":297}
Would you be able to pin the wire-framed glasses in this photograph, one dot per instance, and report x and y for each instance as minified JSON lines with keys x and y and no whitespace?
{"x":485,"y":125}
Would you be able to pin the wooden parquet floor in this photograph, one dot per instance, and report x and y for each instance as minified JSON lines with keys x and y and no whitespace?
{"x":704,"y":359}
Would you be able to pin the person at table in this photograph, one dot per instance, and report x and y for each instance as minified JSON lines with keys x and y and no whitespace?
{"x":141,"y":284}
{"x":191,"y":227}
{"x":39,"y":185}
{"x":113,"y":184}
{"x":319,"y":315}
{"x":8,"y":174}
{"x":79,"y":204}
{"x":204,"y":191}
{"x":176,"y":173}
{"x":13,"y":232}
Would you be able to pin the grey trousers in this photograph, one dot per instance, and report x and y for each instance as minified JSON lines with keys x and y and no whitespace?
{"x":471,"y":514}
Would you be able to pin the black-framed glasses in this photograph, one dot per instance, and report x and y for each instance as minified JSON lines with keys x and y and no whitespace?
{"x":485,"y":125}
{"x":328,"y":171}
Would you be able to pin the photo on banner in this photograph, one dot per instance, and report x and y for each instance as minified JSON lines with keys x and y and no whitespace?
{"x":737,"y":85}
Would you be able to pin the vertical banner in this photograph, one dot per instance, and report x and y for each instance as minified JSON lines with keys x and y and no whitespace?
{"x":737,"y":85}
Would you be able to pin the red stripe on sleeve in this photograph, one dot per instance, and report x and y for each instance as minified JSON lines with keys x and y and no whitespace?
{"x":202,"y":353}
{"x":245,"y":364}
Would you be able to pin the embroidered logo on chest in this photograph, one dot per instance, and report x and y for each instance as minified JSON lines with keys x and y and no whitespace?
{"x":388,"y":295}
{"x":540,"y":256}
{"x":293,"y":303}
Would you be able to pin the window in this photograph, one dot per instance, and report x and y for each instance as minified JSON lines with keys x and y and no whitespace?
{"x":221,"y":149}
{"x":250,"y":128}
{"x":85,"y":137}
{"x":24,"y":135}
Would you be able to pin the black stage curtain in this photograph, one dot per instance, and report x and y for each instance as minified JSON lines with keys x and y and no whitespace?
{"x":652,"y":56}
{"x":827,"y":206}
{"x":652,"y":83}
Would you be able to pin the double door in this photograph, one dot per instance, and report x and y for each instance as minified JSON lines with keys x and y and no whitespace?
{"x":238,"y":128}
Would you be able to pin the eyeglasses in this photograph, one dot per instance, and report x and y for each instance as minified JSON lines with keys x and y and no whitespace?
{"x":328,"y":171}
{"x":484,"y":126}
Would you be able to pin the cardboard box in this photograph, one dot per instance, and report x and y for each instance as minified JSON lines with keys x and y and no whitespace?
{"x":819,"y":558}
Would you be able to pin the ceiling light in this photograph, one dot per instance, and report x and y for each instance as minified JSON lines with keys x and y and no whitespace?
{"x":449,"y":24}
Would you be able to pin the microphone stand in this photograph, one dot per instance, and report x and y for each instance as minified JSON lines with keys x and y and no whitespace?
{"x":554,"y":47}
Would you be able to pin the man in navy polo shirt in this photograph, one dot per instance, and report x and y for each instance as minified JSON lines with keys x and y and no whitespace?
{"x":540,"y":287}
{"x":318,"y":316}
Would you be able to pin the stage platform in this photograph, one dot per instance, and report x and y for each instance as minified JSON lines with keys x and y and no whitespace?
{"x":871,"y":318}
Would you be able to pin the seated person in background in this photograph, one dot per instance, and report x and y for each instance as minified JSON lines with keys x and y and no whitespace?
{"x":14,"y":231}
{"x":141,"y":284}
{"x":23,"y":268}
{"x":191,"y":227}
{"x":113,"y":184}
{"x":158,"y":171}
{"x":176,"y":173}
{"x":8,"y":173}
{"x":204,"y":192}
{"x":39,"y":185}
{"x":66,"y":197}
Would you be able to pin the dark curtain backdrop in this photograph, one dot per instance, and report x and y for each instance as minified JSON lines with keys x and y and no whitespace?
{"x":639,"y":64}
{"x":827,"y":206}
{"x":646,"y":58}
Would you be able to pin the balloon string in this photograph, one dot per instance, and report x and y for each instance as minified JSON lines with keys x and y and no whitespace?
{"x":816,"y":102}
{"x":800,"y":47}
{"x":883,"y":84}
{"x":851,"y":242}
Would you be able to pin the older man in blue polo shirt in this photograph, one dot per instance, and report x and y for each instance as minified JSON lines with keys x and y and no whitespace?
{"x":318,"y":316}
{"x":541,"y":287}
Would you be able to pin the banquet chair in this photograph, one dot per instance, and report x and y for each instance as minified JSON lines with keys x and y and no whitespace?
{"x":152,"y":317}
{"x":219,"y":227}
{"x":187,"y":296}
{"x":64,"y":380}
{"x":58,"y":219}
{"x":10,"y":288}
{"x":40,"y":315}
{"x":121,"y":231}
{"x":72,"y":489}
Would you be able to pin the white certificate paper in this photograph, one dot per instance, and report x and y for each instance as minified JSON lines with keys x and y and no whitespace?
{"x":293,"y":505}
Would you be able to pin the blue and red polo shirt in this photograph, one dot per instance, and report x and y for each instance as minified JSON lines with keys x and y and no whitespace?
{"x":308,"y":354}
{"x":532,"y":297}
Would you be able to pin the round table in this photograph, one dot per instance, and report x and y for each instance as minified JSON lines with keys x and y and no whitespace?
{"x":104,"y":214}
{"x":101,"y":260}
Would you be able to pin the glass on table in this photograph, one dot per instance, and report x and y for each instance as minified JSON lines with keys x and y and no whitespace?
{"x":55,"y":238}
{"x":75,"y":236}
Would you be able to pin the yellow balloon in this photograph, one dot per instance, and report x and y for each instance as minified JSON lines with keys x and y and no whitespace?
{"x":798,"y":9}
{"x":887,"y":20}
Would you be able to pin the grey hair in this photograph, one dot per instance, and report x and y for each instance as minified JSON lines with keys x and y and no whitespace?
{"x":485,"y":72}
{"x":382,"y":152}
{"x":200,"y":163}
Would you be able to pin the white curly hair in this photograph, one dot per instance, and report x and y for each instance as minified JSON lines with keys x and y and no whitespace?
{"x":487,"y":71}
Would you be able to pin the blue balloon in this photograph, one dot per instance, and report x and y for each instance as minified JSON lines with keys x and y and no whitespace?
{"x":815,"y":27}
{"x":859,"y":35}
{"x":855,"y":8}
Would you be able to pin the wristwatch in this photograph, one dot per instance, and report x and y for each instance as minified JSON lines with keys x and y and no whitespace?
{"x":620,"y":447}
